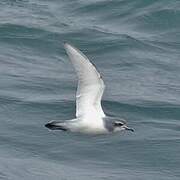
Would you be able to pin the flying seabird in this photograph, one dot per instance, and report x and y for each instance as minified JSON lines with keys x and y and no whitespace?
{"x":90,"y":117}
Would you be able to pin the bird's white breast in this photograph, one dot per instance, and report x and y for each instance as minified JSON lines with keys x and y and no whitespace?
{"x":86,"y":125}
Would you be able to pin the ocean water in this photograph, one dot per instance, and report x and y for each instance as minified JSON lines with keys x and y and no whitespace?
{"x":136,"y":47}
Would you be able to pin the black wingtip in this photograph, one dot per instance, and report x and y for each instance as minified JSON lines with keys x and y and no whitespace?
{"x":65,"y":42}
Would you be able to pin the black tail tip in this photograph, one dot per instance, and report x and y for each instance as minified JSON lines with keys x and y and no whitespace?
{"x":49,"y":125}
{"x":54,"y":126}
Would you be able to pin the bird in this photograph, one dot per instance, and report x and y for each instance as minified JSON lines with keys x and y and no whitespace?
{"x":90,"y":117}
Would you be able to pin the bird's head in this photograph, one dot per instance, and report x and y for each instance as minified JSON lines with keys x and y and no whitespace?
{"x":120,"y":125}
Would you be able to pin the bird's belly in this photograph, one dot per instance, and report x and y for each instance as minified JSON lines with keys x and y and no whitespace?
{"x":93,"y":130}
{"x":89,"y":127}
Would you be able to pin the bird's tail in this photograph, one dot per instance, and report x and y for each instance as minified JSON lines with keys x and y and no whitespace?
{"x":56,"y":125}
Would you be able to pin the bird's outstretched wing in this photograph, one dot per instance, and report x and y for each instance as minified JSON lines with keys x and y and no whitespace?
{"x":90,"y":84}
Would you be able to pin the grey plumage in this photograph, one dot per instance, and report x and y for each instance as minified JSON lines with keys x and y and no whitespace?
{"x":110,"y":123}
{"x":90,"y":117}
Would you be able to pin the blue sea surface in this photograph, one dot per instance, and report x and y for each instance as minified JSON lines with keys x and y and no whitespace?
{"x":136,"y":47}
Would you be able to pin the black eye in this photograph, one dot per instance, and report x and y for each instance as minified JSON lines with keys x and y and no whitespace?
{"x":118,"y":123}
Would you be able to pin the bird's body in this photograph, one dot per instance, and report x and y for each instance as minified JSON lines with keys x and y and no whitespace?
{"x":90,"y":117}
